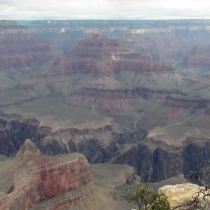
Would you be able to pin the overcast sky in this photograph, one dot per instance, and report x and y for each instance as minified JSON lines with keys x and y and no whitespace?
{"x":104,"y":9}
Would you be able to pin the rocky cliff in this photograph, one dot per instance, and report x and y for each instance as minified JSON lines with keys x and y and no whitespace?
{"x":153,"y":161}
{"x":157,"y":159}
{"x":59,"y":181}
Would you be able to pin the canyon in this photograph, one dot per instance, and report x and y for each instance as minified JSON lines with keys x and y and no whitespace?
{"x":34,"y":181}
{"x":118,"y":92}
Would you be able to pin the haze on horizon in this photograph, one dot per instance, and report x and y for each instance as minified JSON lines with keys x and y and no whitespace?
{"x":104,"y":9}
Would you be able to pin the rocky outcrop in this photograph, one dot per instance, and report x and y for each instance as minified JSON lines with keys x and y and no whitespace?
{"x":181,"y":194}
{"x":40,"y":179}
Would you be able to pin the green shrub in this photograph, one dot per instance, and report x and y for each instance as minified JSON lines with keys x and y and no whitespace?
{"x":147,"y":198}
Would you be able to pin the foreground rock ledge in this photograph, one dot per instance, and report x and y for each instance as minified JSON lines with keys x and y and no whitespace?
{"x":180,"y":194}
{"x":34,"y":181}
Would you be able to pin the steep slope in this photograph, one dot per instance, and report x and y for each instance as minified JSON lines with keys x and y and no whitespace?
{"x":30,"y":181}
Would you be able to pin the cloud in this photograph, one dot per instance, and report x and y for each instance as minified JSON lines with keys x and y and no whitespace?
{"x":104,"y":9}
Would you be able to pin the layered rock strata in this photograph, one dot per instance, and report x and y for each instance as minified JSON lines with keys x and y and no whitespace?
{"x":155,"y":158}
{"x":185,"y":102}
{"x":100,"y":54}
{"x":58,"y":181}
{"x":21,"y":53}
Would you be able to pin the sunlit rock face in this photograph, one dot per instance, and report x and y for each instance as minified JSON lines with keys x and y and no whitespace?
{"x":180,"y":194}
{"x":31,"y":179}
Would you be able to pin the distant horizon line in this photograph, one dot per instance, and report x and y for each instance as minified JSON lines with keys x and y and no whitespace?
{"x":116,"y":19}
{"x":105,"y":19}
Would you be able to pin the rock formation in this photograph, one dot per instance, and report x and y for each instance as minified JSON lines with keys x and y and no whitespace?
{"x":167,"y":154}
{"x":97,"y":63}
{"x":101,"y":54}
{"x":181,"y":193}
{"x":32,"y":181}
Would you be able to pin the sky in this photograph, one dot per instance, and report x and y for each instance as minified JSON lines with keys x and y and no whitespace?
{"x":104,"y":9}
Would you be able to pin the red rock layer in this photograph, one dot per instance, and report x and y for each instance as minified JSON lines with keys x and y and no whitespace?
{"x":40,"y":178}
